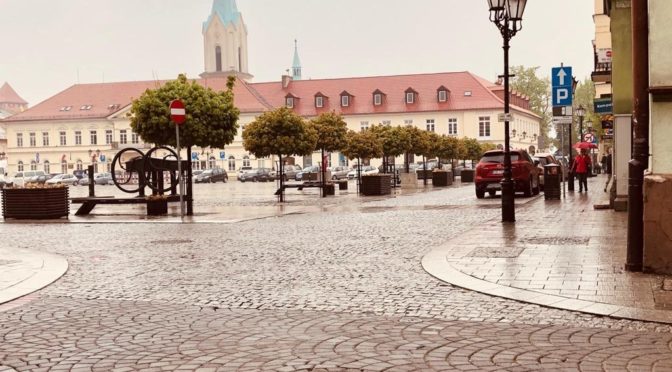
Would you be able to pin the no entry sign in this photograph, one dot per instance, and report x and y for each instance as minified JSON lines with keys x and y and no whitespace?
{"x":178,"y":114}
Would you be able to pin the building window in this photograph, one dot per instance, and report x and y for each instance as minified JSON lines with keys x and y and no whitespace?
{"x":484,"y":126}
{"x":410,"y":97}
{"x":47,"y":167}
{"x":345,"y":101}
{"x":218,"y":58}
{"x":134,"y":138}
{"x":80,"y":166}
{"x":364,"y":125}
{"x":33,"y":165}
{"x":443,"y":96}
{"x":408,"y":122}
{"x":33,"y":141}
{"x":430,"y":125}
{"x":19,"y":166}
{"x":45,"y":138}
{"x":123,"y":139}
{"x":19,"y":140}
{"x":289,"y":102}
{"x":64,"y":166}
{"x":319,"y":101}
{"x":377,"y":99}
{"x":108,"y":137}
{"x":232,"y":163}
{"x":94,"y":137}
{"x":387,"y":123}
{"x":452,"y":127}
{"x":246,"y":161}
{"x":78,"y":137}
{"x":62,"y":138}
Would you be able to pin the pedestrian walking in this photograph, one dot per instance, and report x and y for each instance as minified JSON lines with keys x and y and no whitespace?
{"x":606,"y":166}
{"x":581,"y":166}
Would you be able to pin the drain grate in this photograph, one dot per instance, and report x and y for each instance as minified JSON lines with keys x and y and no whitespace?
{"x":556,"y":240}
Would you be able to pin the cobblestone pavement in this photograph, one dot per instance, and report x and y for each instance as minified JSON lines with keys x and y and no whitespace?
{"x":333,"y":290}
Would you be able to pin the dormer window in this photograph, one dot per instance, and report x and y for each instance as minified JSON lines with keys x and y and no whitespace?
{"x":442,"y":94}
{"x":411,"y":96}
{"x":319,"y":100}
{"x":378,"y":97}
{"x":345,"y":99}
{"x":290,"y":100}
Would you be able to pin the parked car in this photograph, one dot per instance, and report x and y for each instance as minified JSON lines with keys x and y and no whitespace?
{"x":257,"y":175}
{"x":542,"y":160}
{"x":20,"y":179}
{"x":243,"y":169}
{"x":103,"y":179}
{"x":339,"y":172}
{"x":80,"y":173}
{"x":196,"y":173}
{"x":490,"y":171}
{"x":290,"y":171}
{"x":366,"y":169}
{"x":84,"y":181}
{"x":63,"y":179}
{"x":212,"y":176}
{"x":309,"y":169}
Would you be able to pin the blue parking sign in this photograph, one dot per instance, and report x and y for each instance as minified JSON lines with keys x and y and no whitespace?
{"x":222,"y":155}
{"x":562,"y":96}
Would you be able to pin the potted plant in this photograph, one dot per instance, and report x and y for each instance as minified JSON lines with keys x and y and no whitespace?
{"x":35,"y":202}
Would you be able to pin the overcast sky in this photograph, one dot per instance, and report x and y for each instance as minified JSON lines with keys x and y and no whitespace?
{"x":49,"y":45}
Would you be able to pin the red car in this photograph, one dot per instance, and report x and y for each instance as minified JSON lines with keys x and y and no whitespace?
{"x":490,"y":172}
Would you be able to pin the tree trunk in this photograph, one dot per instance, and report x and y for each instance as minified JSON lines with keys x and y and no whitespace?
{"x":190,"y":189}
{"x":282,"y":179}
{"x":359,"y":173}
{"x":424,"y":170}
{"x":323,"y":169}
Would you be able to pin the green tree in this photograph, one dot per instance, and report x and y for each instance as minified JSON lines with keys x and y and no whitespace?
{"x":362,"y":145}
{"x":331,"y":132}
{"x":447,"y":148}
{"x":472,"y":150}
{"x":585,"y":96}
{"x":279,"y":132}
{"x":528,"y":82}
{"x":395,"y":141}
{"x":418,"y":143}
{"x":212,"y":118}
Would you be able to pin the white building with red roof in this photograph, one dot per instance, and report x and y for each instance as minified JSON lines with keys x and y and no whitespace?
{"x":87,"y":123}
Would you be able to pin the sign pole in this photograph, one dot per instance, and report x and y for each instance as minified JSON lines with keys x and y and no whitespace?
{"x":180,"y":179}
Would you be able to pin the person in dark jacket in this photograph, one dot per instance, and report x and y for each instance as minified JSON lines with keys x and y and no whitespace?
{"x":607,"y":163}
{"x":581,"y":166}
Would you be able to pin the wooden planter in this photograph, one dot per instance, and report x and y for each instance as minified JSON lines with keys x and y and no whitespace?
{"x":157,"y":207}
{"x":467,"y":175}
{"x":35,"y":204}
{"x":376,"y":184}
{"x":422,"y":174}
{"x":442,"y":178}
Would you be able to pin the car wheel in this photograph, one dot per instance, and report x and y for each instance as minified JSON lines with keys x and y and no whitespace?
{"x":530,"y":189}
{"x":480,"y":194}
{"x":255,"y":179}
{"x":492,"y":193}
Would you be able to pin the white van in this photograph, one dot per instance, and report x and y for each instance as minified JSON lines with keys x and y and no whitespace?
{"x":21,"y":178}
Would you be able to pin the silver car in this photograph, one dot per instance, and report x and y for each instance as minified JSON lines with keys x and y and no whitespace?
{"x":339,"y":173}
{"x":63,"y":179}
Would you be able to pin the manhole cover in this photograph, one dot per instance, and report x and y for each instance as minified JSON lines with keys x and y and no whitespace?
{"x":556,"y":240}
{"x":667,"y":284}
{"x":171,"y":242}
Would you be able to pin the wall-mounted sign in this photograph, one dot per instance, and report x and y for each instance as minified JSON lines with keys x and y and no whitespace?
{"x":604,"y":106}
{"x":604,"y":55}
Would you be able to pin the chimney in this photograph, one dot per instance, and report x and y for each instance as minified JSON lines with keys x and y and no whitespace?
{"x":286,"y":79}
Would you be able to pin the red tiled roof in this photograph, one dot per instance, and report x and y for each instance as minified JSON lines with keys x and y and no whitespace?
{"x":108,"y":98}
{"x":394,"y":87}
{"x":9,"y":95}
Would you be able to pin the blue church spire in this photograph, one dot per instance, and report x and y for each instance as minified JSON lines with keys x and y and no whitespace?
{"x":226,"y":10}
{"x":296,"y":66}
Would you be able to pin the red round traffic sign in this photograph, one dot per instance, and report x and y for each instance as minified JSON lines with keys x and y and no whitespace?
{"x":178,"y":113}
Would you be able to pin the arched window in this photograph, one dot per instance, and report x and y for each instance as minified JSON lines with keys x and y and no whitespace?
{"x":47,"y":167}
{"x":246,"y":161}
{"x":19,"y":166}
{"x":79,"y":165}
{"x":64,"y":166}
{"x":218,"y":58}
{"x":232,"y":163}
{"x":33,"y":165}
{"x":212,"y":162}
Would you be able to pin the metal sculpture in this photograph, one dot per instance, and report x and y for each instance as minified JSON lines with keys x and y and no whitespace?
{"x":148,"y":169}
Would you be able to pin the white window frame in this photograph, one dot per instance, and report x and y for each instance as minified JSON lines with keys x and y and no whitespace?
{"x":19,"y":140}
{"x":345,"y":101}
{"x":78,"y":137}
{"x":410,"y":98}
{"x":289,"y":102}
{"x":484,"y":126}
{"x":32,"y":139}
{"x":19,"y":166}
{"x":408,"y":122}
{"x":109,"y":136}
{"x":319,"y":101}
{"x":452,"y":127}
{"x":123,"y":137}
{"x":431,"y":125}
{"x":377,"y":99}
{"x":45,"y":139}
{"x":135,"y":139}
{"x":63,"y":138}
{"x":94,"y":137}
{"x":387,"y":123}
{"x":363,"y":125}
{"x":443,"y":96}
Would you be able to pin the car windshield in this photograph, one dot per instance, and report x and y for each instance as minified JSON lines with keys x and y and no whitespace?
{"x":206,"y":173}
{"x":497,"y":158}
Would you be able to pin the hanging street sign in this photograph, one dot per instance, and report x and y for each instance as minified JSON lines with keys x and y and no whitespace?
{"x":505,"y":117}
{"x":562,"y":120}
{"x":603,"y":106}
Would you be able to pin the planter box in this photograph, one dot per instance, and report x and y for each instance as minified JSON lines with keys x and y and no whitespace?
{"x":409,"y":180}
{"x":442,"y":178}
{"x":376,"y":184}
{"x":35,"y":204}
{"x":467,"y":175}
{"x":157,"y":207}
{"x":422,"y":174}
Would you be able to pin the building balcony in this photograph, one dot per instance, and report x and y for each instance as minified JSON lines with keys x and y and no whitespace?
{"x":601,"y":73}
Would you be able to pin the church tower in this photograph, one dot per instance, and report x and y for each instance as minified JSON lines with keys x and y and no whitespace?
{"x":225,"y":42}
{"x":296,"y":65}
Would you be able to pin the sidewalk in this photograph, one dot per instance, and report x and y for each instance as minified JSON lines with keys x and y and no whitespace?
{"x":559,"y":254}
{"x":23,"y":272}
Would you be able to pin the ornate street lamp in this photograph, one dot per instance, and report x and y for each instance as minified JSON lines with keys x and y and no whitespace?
{"x":507,"y":15}
{"x":581,"y":113}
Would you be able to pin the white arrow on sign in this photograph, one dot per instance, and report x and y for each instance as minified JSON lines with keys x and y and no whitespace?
{"x":562,"y":75}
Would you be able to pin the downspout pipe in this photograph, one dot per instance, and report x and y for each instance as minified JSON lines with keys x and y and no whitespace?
{"x":640,"y":121}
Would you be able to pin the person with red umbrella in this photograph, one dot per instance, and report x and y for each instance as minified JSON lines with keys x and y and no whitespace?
{"x":581,"y":166}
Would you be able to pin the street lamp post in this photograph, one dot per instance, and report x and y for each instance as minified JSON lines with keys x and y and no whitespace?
{"x":507,"y":15}
{"x":581,"y":112}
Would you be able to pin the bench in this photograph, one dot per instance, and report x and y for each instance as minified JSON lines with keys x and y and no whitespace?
{"x":88,"y":203}
{"x":307,"y":184}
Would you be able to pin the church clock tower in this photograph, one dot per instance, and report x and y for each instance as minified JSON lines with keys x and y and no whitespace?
{"x":225,"y":42}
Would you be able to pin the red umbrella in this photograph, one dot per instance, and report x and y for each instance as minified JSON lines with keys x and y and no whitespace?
{"x":585,"y":145}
